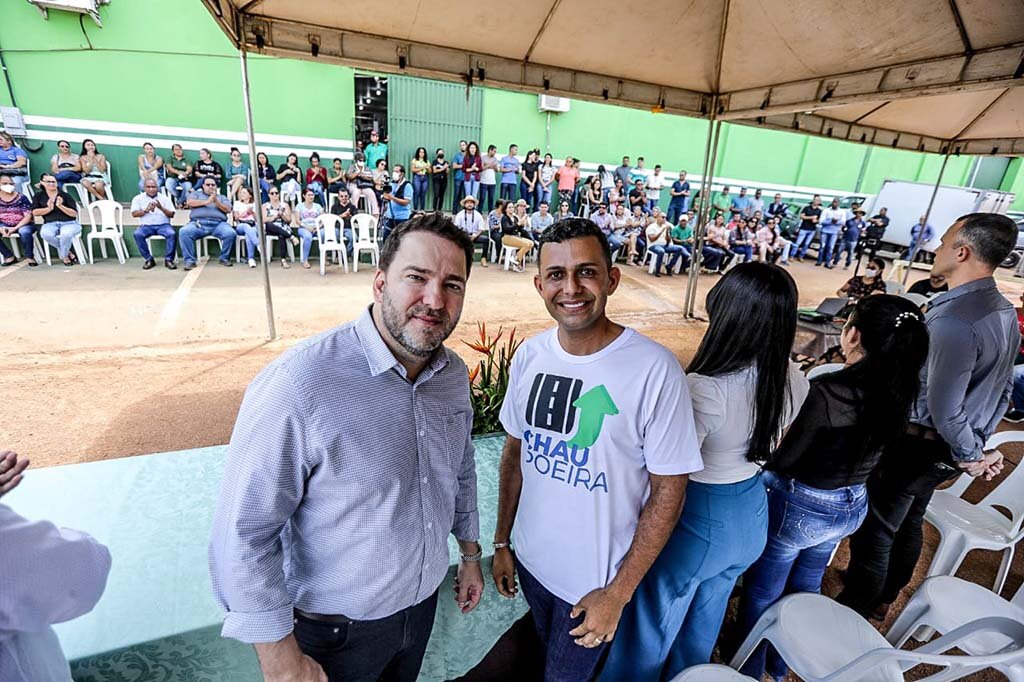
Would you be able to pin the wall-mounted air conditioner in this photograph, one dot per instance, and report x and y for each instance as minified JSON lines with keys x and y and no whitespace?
{"x":90,"y":7}
{"x":548,"y":103}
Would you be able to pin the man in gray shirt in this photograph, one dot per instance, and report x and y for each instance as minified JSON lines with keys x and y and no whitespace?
{"x":965,"y":389}
{"x":350,"y":464}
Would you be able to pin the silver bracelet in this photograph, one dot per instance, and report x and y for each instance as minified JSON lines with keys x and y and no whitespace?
{"x":502,"y":545}
{"x":471,"y":557}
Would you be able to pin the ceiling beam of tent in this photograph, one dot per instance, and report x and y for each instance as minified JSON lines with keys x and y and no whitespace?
{"x":965,"y":39}
{"x":980,"y":115}
{"x":225,"y":16}
{"x":540,"y":31}
{"x":987,"y":69}
{"x":284,"y":38}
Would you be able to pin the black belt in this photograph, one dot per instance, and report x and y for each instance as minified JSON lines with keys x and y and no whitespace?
{"x":922,"y":432}
{"x":324,"y":618}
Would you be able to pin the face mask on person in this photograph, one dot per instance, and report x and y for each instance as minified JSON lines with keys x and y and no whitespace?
{"x":871,"y":272}
{"x":396,"y":176}
{"x":7,"y":188}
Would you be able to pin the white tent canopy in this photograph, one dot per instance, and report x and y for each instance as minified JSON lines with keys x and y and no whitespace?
{"x":925,"y":75}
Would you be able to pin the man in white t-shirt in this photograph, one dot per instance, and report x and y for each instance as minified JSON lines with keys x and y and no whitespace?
{"x":659,"y":244}
{"x":655,"y":182}
{"x":154,"y":211}
{"x":596,"y":460}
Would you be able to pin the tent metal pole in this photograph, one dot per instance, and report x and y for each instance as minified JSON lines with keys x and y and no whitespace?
{"x":255,"y":184}
{"x":927,"y":214}
{"x":710,"y":152}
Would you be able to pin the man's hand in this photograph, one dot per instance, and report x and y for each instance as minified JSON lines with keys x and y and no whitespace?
{"x":284,"y":662}
{"x":469,"y":585}
{"x":503,"y":570}
{"x":989,"y":466}
{"x":603,"y":608}
{"x":10,"y":471}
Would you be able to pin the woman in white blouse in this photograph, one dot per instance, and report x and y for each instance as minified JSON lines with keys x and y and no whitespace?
{"x":745,"y":393}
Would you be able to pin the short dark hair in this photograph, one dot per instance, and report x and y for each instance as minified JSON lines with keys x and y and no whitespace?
{"x":574,"y":228}
{"x":991,"y":236}
{"x":435,"y":223}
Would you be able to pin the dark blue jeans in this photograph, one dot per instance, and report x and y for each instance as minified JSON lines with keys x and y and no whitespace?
{"x":804,"y":526}
{"x":803,"y":240}
{"x":564,"y":659}
{"x":389,"y":649}
{"x":675,"y":253}
{"x":508,"y":191}
{"x":847,"y":247}
{"x":486,"y":198}
{"x":420,"y":184}
{"x":146,"y":231}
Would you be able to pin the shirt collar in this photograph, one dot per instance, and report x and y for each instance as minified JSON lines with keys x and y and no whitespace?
{"x":977,"y":285}
{"x":379,"y":356}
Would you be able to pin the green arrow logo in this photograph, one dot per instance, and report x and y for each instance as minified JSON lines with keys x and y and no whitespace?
{"x":593,"y":406}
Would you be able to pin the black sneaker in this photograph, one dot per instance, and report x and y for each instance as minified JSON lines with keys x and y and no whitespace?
{"x":169,"y":264}
{"x":189,"y":265}
{"x":668,"y":272}
{"x":1014,"y":416}
{"x":227,"y":263}
{"x":657,"y":273}
{"x":817,"y":265}
{"x":149,"y":264}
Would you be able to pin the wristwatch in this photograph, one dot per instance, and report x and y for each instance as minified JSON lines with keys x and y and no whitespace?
{"x":471,"y":557}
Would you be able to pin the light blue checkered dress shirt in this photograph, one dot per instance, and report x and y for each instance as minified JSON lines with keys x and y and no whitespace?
{"x":342,"y":484}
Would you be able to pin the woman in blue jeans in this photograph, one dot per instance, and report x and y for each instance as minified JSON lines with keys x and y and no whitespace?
{"x":744,"y":391}
{"x":816,"y":479}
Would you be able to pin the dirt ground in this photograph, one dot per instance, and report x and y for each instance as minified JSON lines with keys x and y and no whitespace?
{"x":112,"y":361}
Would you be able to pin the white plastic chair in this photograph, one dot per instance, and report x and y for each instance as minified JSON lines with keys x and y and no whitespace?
{"x":45,"y":247}
{"x":508,"y":255}
{"x":107,"y":224}
{"x":964,"y":526}
{"x":710,"y":673}
{"x":364,"y":227}
{"x":37,"y":245}
{"x":649,"y":256}
{"x":330,"y":237}
{"x":823,"y":641}
{"x":78,"y":192}
{"x":827,"y":368}
{"x":945,"y":603}
{"x":893,"y":287}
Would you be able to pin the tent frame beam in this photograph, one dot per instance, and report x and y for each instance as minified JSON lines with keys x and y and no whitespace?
{"x":987,"y":69}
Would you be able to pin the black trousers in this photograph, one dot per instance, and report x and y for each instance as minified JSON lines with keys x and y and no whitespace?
{"x":440,"y":188}
{"x":282,"y":233}
{"x":885,"y":549}
{"x":388,"y":649}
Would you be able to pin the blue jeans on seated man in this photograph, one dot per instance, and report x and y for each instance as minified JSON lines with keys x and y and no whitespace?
{"x":805,"y":525}
{"x":564,"y":659}
{"x":828,"y":241}
{"x":803,"y":240}
{"x":389,"y":648}
{"x":675,"y":253}
{"x":61,"y":235}
{"x":205,"y":228}
{"x":144,"y":232}
{"x":675,"y":615}
{"x":179,"y":189}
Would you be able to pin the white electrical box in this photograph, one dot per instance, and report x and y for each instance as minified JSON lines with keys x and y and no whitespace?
{"x":13,"y":122}
{"x":90,"y":7}
{"x":556,"y":104}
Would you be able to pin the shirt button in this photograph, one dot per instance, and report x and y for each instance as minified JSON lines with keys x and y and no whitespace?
{"x":430,"y":525}
{"x":421,"y":434}
{"x":424,"y":479}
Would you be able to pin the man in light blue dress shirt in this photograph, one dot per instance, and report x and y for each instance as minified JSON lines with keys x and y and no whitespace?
{"x":350,"y":464}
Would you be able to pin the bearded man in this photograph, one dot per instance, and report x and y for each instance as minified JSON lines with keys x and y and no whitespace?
{"x":331,"y":533}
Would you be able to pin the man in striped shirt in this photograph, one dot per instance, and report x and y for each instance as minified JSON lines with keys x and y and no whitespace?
{"x":331,"y":533}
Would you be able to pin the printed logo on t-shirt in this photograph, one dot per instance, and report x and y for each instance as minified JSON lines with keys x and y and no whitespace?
{"x":559,"y":404}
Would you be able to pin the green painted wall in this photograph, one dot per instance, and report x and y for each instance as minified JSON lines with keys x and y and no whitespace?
{"x":166,"y":63}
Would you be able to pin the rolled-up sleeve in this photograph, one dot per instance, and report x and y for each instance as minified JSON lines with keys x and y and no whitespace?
{"x":467,"y":518}
{"x":267,"y":467}
{"x":951,"y":357}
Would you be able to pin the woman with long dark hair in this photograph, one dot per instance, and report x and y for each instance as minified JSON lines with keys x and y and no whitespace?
{"x":745,"y":392}
{"x":439,"y":173}
{"x":816,"y":479}
{"x":471,"y":166}
{"x":420,"y":169}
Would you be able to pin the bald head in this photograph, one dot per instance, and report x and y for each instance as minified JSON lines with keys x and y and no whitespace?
{"x":150,"y":188}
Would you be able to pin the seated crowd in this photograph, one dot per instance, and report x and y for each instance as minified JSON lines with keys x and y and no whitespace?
{"x":510,"y":203}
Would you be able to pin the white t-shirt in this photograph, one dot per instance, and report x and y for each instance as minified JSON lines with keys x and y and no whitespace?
{"x":724,"y":415}
{"x":487,"y":171}
{"x":653,"y":230}
{"x":592,"y":428}
{"x":654,"y":185}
